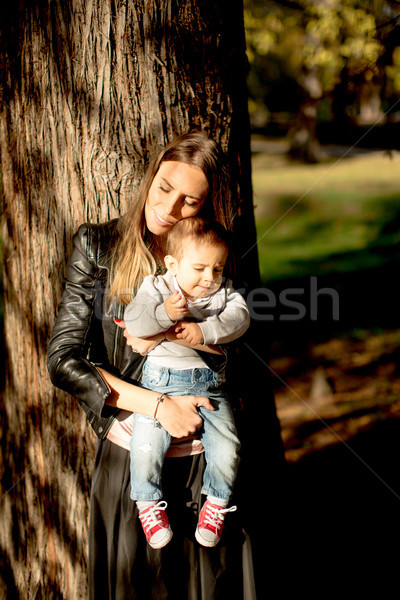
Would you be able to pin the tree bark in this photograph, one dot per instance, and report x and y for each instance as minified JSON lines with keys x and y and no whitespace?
{"x":90,"y":88}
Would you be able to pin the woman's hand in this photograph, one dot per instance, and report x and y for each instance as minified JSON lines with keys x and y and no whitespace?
{"x":142,"y":346}
{"x":179,"y":415}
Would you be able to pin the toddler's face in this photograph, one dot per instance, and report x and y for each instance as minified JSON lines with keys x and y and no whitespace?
{"x":199,"y":270}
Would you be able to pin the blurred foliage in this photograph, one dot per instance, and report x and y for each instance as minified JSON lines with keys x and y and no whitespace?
{"x":393,"y":71}
{"x":315,"y":48}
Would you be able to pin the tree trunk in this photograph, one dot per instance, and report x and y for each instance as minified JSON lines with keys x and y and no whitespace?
{"x":89,"y":89}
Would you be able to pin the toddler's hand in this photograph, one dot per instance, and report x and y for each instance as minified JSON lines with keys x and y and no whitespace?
{"x":189,"y":331}
{"x":176,"y":306}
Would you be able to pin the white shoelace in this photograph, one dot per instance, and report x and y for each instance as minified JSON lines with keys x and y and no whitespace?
{"x":152,"y":516}
{"x":215,"y":516}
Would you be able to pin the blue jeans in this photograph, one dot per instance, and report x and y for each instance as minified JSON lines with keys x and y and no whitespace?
{"x":149,"y":443}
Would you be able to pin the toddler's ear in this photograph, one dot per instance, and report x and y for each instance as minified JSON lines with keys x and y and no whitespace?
{"x":171,"y":264}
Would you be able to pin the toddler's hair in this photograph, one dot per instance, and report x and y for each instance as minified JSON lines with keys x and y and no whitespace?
{"x":197,"y":229}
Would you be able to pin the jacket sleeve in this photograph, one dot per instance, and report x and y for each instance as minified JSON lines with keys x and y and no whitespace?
{"x":230,"y":323}
{"x":146,"y":316}
{"x":68,"y":366}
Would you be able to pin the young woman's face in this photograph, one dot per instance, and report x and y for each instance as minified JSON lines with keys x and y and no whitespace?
{"x":178,"y":191}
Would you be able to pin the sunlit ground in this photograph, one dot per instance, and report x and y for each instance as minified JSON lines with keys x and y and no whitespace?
{"x":341,"y":388}
{"x":341,"y":220}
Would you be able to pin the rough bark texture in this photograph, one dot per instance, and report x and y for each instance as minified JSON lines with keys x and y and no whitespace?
{"x":89,"y":89}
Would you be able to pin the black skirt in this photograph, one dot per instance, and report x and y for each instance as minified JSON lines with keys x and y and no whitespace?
{"x":122,"y":566}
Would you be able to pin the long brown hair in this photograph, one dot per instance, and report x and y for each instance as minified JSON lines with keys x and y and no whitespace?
{"x":133,"y":253}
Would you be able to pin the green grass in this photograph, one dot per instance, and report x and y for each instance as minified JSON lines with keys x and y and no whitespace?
{"x":336,"y":217}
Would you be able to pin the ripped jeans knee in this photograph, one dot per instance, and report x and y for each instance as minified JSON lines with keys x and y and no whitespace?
{"x":149,"y":445}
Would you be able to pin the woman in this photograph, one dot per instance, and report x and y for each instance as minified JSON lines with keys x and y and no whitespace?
{"x":90,"y":357}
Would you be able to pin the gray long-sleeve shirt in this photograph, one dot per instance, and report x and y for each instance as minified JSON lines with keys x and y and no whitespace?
{"x":222,"y":318}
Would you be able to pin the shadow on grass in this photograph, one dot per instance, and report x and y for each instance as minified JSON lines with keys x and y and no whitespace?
{"x":341,"y":515}
{"x":367,"y":299}
{"x":364,"y":281}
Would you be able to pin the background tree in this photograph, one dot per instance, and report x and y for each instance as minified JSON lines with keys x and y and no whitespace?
{"x":314,"y":61}
{"x":89,"y":89}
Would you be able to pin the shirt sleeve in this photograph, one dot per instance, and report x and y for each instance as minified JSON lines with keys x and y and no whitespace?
{"x":230,"y":323}
{"x":146,"y":316}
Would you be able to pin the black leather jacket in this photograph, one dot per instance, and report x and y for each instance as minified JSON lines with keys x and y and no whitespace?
{"x":85,"y":334}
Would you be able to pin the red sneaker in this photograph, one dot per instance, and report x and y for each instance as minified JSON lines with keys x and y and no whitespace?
{"x":155,"y":525}
{"x":211,"y":523}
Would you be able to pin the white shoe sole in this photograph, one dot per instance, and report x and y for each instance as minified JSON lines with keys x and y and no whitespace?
{"x":163,"y":542}
{"x":203,"y":541}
